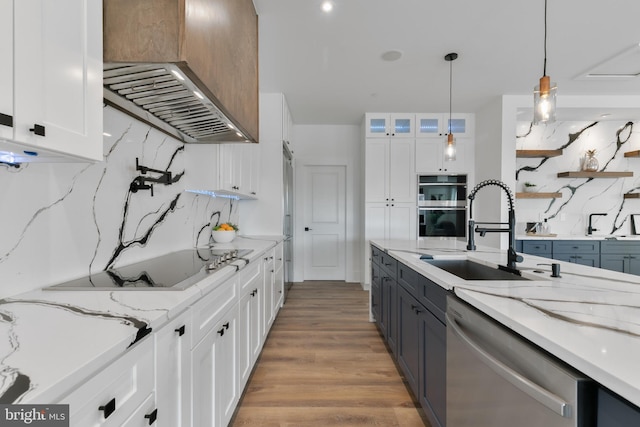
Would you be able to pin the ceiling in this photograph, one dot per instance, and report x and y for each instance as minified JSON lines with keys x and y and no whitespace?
{"x":330,"y":69}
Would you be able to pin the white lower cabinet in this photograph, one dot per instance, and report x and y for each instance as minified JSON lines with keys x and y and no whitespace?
{"x":215,"y":373}
{"x":145,"y":415}
{"x":267,"y":303}
{"x":117,"y":392}
{"x":278,"y":279}
{"x":190,"y":372}
{"x":173,"y":372}
{"x":250,"y":323}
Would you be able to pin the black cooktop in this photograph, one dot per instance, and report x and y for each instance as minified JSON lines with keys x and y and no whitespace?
{"x":174,"y":271}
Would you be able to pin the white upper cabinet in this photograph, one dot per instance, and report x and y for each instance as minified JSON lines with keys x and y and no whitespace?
{"x":6,"y":71}
{"x":386,"y":125}
{"x":430,"y":156}
{"x":437,"y":125}
{"x":276,"y":123}
{"x":239,"y":166}
{"x":389,"y":170}
{"x":56,"y":82}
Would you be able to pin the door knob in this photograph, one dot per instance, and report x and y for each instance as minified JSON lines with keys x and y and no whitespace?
{"x":308,"y":229}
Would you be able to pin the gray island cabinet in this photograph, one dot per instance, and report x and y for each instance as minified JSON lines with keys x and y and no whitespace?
{"x":409,"y":301}
{"x":410,"y":313}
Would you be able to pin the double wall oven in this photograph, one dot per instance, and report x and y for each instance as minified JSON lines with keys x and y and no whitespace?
{"x":442,"y":206}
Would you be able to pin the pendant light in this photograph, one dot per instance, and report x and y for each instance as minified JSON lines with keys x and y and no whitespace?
{"x":544,"y":95}
{"x":450,"y":147}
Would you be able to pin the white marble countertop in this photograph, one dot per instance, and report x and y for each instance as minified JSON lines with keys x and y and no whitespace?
{"x":52,"y":340}
{"x":577,"y":237}
{"x":589,"y":317}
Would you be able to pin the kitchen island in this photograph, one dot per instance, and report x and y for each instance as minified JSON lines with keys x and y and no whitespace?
{"x":55,"y":341}
{"x":586,"y":318}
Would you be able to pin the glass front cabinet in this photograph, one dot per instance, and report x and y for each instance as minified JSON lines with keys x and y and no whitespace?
{"x":385,"y":125}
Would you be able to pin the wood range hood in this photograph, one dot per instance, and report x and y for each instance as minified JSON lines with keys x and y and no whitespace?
{"x":186,"y":67}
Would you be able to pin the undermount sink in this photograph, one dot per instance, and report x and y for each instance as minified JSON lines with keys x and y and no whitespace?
{"x":470,"y":270}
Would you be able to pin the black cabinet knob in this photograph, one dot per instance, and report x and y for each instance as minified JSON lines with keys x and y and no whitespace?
{"x":109,"y":408}
{"x":180,"y":330}
{"x":38,"y":130}
{"x":152,"y":416}
{"x":221,"y":332}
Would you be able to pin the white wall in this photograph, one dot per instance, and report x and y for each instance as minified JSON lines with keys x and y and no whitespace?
{"x":329,"y":145}
{"x":569,"y":214}
{"x":508,"y":112}
{"x":491,"y":162}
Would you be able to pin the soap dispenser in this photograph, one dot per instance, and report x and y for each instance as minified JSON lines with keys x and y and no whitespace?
{"x":545,"y":227}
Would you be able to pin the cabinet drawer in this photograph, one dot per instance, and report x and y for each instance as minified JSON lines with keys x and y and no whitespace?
{"x":279,"y":257}
{"x":375,"y":255}
{"x":125,"y":383}
{"x":429,"y":294}
{"x":576,"y":246}
{"x":408,"y":278}
{"x":537,"y":247}
{"x":145,"y":415}
{"x":248,"y":275}
{"x":434,"y":298}
{"x":389,"y":264}
{"x":208,"y":311}
{"x":618,"y":247}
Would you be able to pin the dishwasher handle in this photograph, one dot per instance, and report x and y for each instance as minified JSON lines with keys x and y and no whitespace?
{"x":543,"y":396}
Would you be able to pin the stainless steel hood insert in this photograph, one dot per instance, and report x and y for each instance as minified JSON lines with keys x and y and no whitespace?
{"x":162,"y":96}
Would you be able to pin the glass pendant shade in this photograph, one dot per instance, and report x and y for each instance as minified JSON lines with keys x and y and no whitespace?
{"x":450,"y":148}
{"x":544,"y":101}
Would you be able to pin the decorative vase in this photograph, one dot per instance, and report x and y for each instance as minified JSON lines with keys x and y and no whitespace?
{"x":590,"y":162}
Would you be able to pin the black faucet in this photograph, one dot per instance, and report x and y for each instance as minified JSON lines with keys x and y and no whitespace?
{"x":512,"y":256}
{"x":590,"y":229}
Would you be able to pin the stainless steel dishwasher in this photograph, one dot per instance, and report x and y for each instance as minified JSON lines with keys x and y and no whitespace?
{"x":495,"y":378}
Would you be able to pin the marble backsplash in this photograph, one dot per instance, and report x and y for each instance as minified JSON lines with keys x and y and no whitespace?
{"x":67,"y":220}
{"x":569,"y":214}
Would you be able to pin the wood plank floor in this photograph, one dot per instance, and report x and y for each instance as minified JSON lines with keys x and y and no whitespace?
{"x":324,"y":364}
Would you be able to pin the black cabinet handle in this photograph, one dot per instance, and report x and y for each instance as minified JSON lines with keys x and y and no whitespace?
{"x":221,"y":332}
{"x":180,"y":330}
{"x":226,"y":325}
{"x":37,"y":129}
{"x":152,"y":416}
{"x":108,"y":408}
{"x":6,"y":120}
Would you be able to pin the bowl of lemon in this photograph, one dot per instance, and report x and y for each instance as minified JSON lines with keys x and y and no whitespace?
{"x":224,"y":233}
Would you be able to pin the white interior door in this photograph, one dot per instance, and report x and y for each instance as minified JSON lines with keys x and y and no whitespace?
{"x":325,"y":223}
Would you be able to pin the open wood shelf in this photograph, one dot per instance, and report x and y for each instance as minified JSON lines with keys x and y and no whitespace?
{"x":632,"y":196}
{"x":538,"y":195}
{"x":538,"y":153}
{"x":585,"y":174}
{"x":632,"y":153}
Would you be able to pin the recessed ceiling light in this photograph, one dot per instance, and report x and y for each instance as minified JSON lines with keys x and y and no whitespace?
{"x":605,"y":115}
{"x":327,"y":6}
{"x":391,"y":55}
